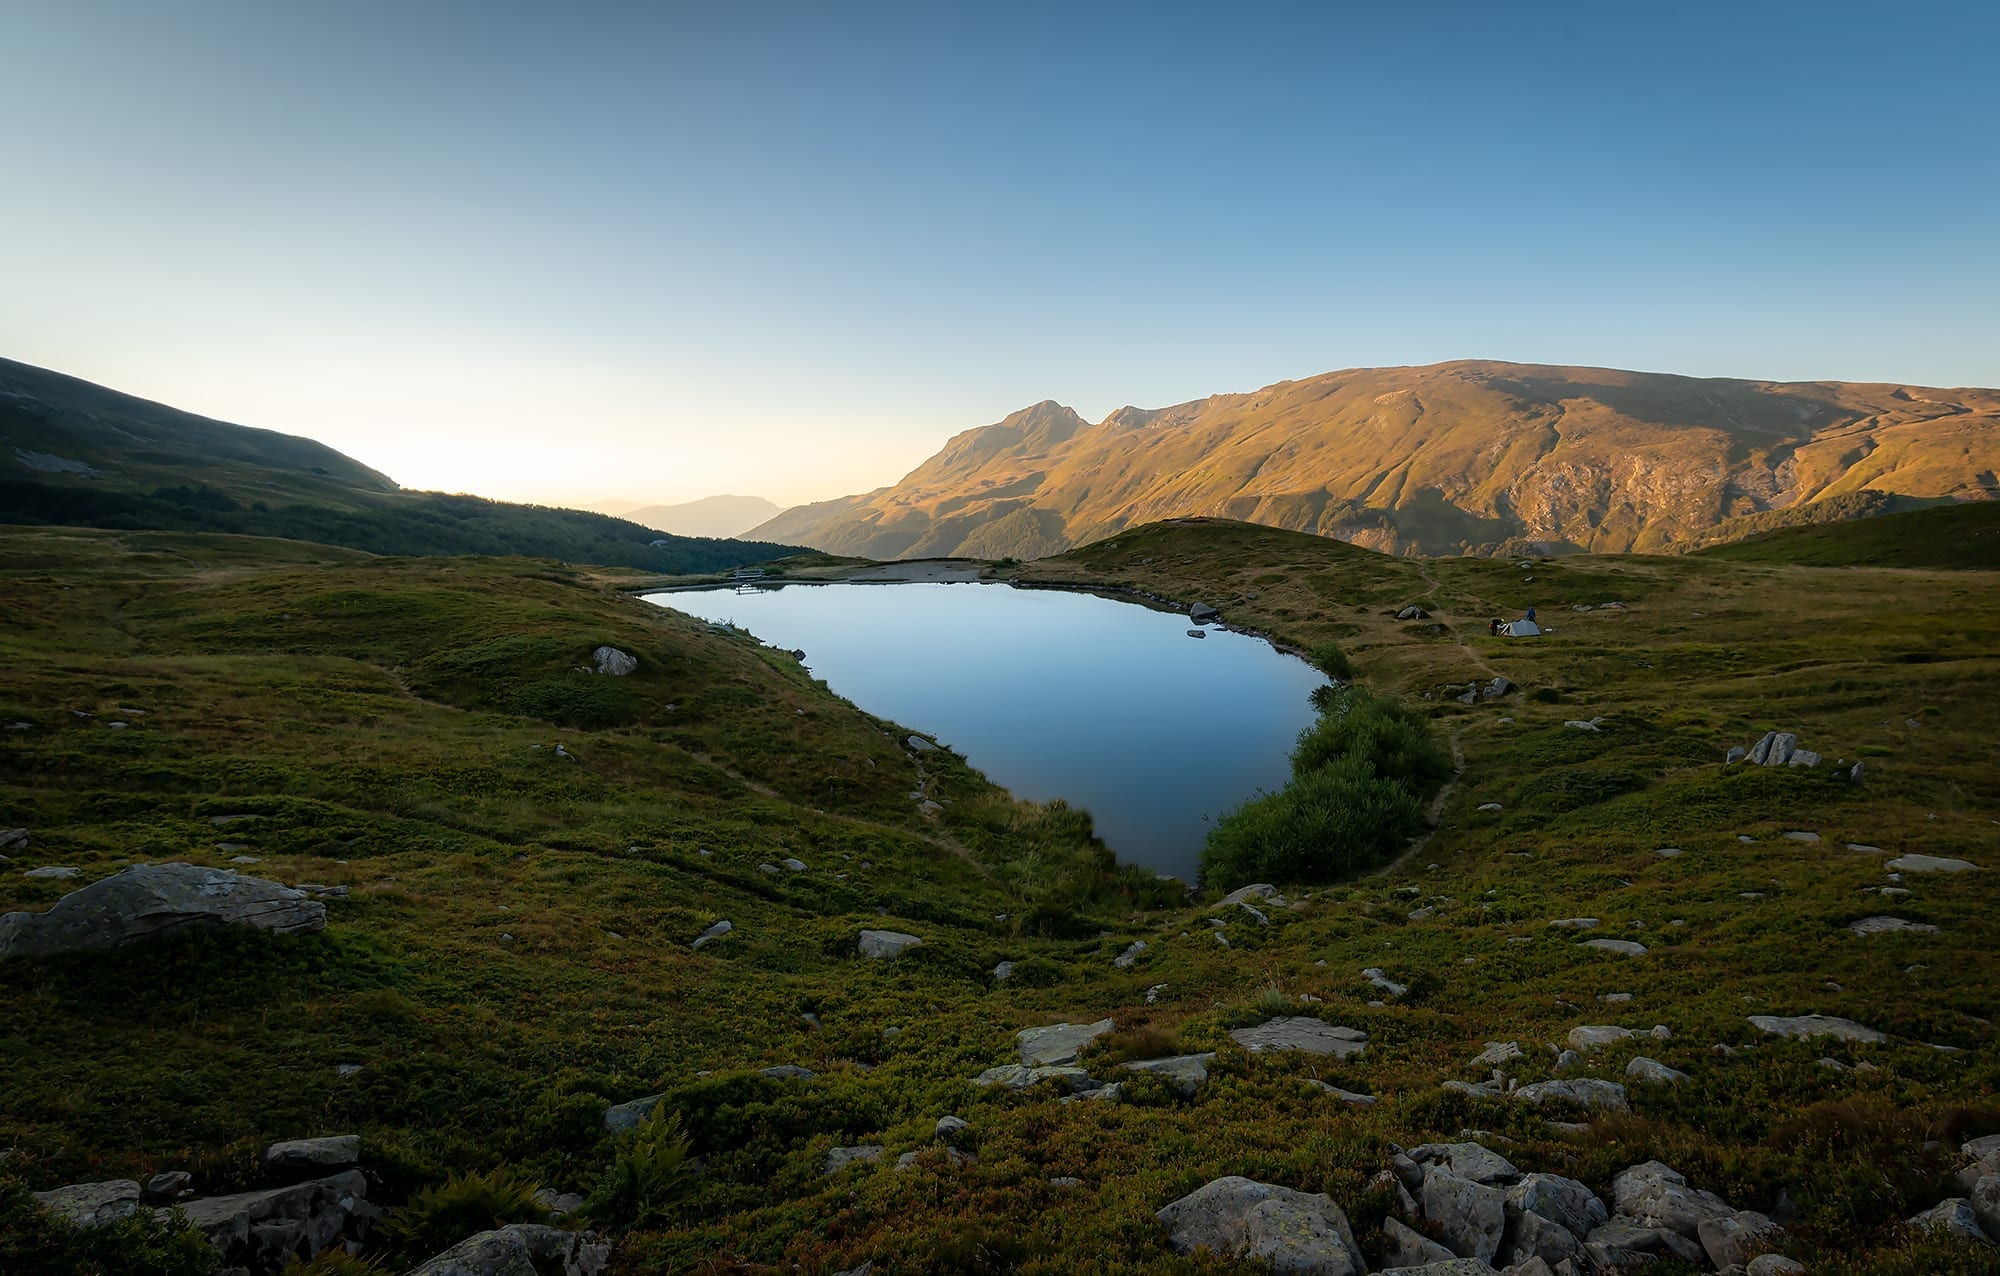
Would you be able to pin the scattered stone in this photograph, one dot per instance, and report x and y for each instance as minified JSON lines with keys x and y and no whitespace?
{"x":1497,"y":1053}
{"x":92,"y":1204}
{"x":48,"y":872}
{"x":1578,"y":725}
{"x":1058,"y":1043}
{"x":334,"y":1152}
{"x":622,"y":1118}
{"x":1490,"y":806}
{"x":1581,"y":1092}
{"x":1644,"y":1069}
{"x":1623,"y":947}
{"x":1668,"y":852}
{"x":714,"y":932}
{"x":1254,"y":891}
{"x":878,"y":944}
{"x":611,"y":661}
{"x":1575,"y":923}
{"x":1929,"y":864}
{"x":1375,"y":977}
{"x":1952,"y":1219}
{"x":1345,"y":1096}
{"x":557,"y":1203}
{"x":920,"y":744}
{"x":1775,"y":1264}
{"x":1801,"y":835}
{"x":1614,"y":998}
{"x":1736,"y":754}
{"x":1153,"y":993}
{"x":1299,"y":1032}
{"x":1655,"y":1195}
{"x":520,"y":1248}
{"x":1003,"y":972}
{"x":13,"y":839}
{"x":1563,"y":1201}
{"x":344,"y":1070}
{"x":1815,"y":1026}
{"x":1124,"y":960}
{"x":150,"y":900}
{"x":1495,"y":689}
{"x":947,"y":1126}
{"x":1186,"y":1073}
{"x":1774,"y":749}
{"x":166,"y":1186}
{"x":1881,"y":925}
{"x":838,"y":1159}
{"x":795,"y":866}
{"x":1413,"y":612}
{"x":787,"y":1072}
{"x":1016,"y":1076}
{"x":1236,"y":1217}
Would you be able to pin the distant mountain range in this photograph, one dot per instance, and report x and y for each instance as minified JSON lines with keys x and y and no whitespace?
{"x":709,"y":516}
{"x":77,"y":454}
{"x":1465,"y":457}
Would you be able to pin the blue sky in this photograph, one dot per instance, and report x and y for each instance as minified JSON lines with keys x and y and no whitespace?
{"x":579,"y":251}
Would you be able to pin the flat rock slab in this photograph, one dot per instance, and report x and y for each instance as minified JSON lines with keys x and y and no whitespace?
{"x":879,"y":944}
{"x":1058,"y":1043}
{"x":1623,"y":947}
{"x":1885,"y":925}
{"x":1581,"y":1092}
{"x":1584,"y":1036}
{"x":92,"y":1204}
{"x":1301,"y":1032}
{"x":1186,"y":1073}
{"x":1345,"y":1096}
{"x":334,"y":1152}
{"x":1815,"y":1026}
{"x":521,"y":1248}
{"x":1929,"y":864}
{"x":838,"y":1159}
{"x":1017,"y":1076}
{"x":148,"y":901}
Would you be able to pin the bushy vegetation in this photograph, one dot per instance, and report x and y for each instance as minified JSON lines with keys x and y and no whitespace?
{"x":649,"y":1171}
{"x":34,"y":1243}
{"x":1359,"y":774}
{"x":439,"y":1216}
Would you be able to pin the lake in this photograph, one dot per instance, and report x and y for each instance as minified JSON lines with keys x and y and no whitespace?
{"x":1107,"y":705}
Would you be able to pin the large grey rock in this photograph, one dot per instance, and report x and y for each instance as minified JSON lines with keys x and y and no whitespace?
{"x":1497,"y":1053}
{"x":877,"y":944}
{"x":621,"y":1118}
{"x":13,"y":839}
{"x":1019,"y":1076}
{"x":325,"y":1209}
{"x":1468,"y":1161}
{"x":1563,"y":1201}
{"x":1058,"y":1043}
{"x":1952,"y":1219}
{"x":1643,"y":1069}
{"x":1579,"y":1092}
{"x":1657,"y":1196}
{"x":1623,"y":947}
{"x":1298,"y":1232}
{"x":315,"y":1156}
{"x":1815,"y":1026}
{"x":1804,"y":757}
{"x":1472,"y":1217}
{"x":713,"y":933}
{"x":522,"y":1249}
{"x":1406,"y":1247}
{"x":1776,"y":1264}
{"x":838,"y":1159}
{"x":1775,"y":749}
{"x":1254,"y":891}
{"x":1202,"y":614}
{"x":1124,"y":960}
{"x":147,"y":901}
{"x":1985,"y":1200}
{"x":1929,"y":864}
{"x":1985,"y":1150}
{"x":1737,"y":1238}
{"x":1531,"y":1236}
{"x":1186,"y":1073}
{"x":1628,"y":1242}
{"x":1589,"y":1035}
{"x":616,"y":663}
{"x":1301,"y":1032}
{"x":92,"y":1204}
{"x":166,"y":1185}
{"x":1882,"y":925}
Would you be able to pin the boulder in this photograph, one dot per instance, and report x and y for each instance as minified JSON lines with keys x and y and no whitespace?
{"x":1300,"y":1032}
{"x":1952,"y":1219}
{"x":713,"y":933}
{"x":878,"y":944}
{"x":1186,"y":1072}
{"x":1815,"y":1026}
{"x":951,"y":1126}
{"x":1413,"y":612}
{"x":314,"y":1157}
{"x":92,"y":1204}
{"x":1775,"y":749}
{"x":1929,"y":864}
{"x":1774,"y":1265}
{"x":13,"y":839}
{"x":1532,"y":1236}
{"x":1589,"y":1035}
{"x":1880,"y":925}
{"x":166,"y":1186}
{"x":1254,"y":891}
{"x":1495,"y":689}
{"x":1736,"y":754}
{"x":1375,"y":976}
{"x":559,"y":1203}
{"x":1472,"y":1217}
{"x":1562,"y":1201}
{"x":1657,"y":1196}
{"x":611,"y":661}
{"x":1345,"y":1096}
{"x":786,"y":1072}
{"x":1804,"y":757}
{"x":1643,"y":1069}
{"x":1058,"y":1043}
{"x":1737,"y":1238}
{"x":919,"y":744}
{"x":270,"y":1226}
{"x":1202,"y":614}
{"x":1124,"y":960}
{"x":1018,"y":1076}
{"x":838,"y":1159}
{"x":1580,"y":1092}
{"x":522,"y":1249}
{"x":1003,"y":972}
{"x":147,"y":901}
{"x":621,"y":1118}
{"x":1406,"y":1247}
{"x":1497,"y":1053}
{"x":1985,"y":1200}
{"x":1623,"y":947}
{"x":1468,"y":1161}
{"x":1289,"y":1230}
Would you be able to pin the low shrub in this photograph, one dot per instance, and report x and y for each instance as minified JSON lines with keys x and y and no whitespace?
{"x":649,"y":1171}
{"x":438,"y":1217}
{"x":36,"y":1243}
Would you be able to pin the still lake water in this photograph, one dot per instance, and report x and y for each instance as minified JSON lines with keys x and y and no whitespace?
{"x":1107,"y":705}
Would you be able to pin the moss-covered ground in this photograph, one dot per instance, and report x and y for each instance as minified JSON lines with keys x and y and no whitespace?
{"x":513,"y":954}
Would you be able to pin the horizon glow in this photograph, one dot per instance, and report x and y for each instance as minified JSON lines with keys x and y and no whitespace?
{"x":651,"y":253}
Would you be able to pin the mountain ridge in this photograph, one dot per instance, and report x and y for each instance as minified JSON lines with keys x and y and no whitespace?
{"x":1470,"y":456}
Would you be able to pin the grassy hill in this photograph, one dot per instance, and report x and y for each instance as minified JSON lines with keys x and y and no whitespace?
{"x":512,"y":954}
{"x":1966,"y":536}
{"x":77,"y":454}
{"x":1467,"y":457}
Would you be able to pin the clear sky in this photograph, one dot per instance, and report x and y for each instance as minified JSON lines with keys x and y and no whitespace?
{"x":584,"y":250}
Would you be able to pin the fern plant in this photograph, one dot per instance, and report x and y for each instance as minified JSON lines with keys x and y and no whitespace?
{"x":437,"y":1217}
{"x":649,"y":1171}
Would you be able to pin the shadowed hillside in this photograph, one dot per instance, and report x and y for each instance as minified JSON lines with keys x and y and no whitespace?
{"x":80,"y":455}
{"x":1467,"y":457}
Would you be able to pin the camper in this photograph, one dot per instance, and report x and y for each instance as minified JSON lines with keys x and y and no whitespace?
{"x":1522,"y":628}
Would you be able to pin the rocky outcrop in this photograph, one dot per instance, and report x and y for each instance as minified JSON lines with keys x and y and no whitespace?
{"x":1058,"y":1043}
{"x":1300,"y":1032}
{"x":880,"y":944}
{"x":92,"y":1204}
{"x":265,"y":1230}
{"x":522,"y":1249}
{"x":148,"y":901}
{"x":1287,"y":1230}
{"x":613,"y":662}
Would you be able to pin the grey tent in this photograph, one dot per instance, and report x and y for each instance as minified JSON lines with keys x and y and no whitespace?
{"x":1520,"y":629}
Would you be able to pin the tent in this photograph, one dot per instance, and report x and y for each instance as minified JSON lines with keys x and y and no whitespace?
{"x":1520,"y":629}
